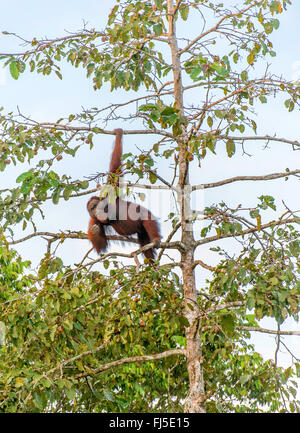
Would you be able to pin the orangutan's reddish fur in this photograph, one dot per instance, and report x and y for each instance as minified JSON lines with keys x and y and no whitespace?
{"x":145,"y":226}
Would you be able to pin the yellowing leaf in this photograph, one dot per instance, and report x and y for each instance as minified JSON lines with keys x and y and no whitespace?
{"x":19,"y":382}
{"x":75,"y":291}
{"x":258,"y":220}
{"x":230,"y":147}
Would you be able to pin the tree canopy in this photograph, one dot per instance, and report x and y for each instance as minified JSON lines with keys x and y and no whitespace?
{"x":115,"y":333}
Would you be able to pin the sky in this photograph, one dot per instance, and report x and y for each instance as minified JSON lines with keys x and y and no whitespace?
{"x":48,"y":98}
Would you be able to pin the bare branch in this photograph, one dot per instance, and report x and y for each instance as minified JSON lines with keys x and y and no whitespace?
{"x":176,"y":7}
{"x":228,"y":96}
{"x":61,"y":127}
{"x":246,"y":232}
{"x":216,"y":27}
{"x":258,"y":137}
{"x":45,"y":43}
{"x":143,"y":358}
{"x":228,"y":305}
{"x":245,"y":178}
{"x":168,"y":239}
{"x":267,"y":331}
{"x":71,"y":235}
{"x":204,"y":265}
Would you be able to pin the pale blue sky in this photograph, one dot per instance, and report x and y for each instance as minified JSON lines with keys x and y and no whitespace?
{"x":48,"y":98}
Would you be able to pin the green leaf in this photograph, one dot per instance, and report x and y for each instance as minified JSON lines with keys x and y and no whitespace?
{"x":68,"y":325}
{"x":210,"y":143}
{"x":149,"y":162}
{"x":113,"y":14}
{"x":26,"y":187}
{"x":254,"y":126}
{"x":209,"y":121}
{"x":236,"y":57}
{"x":268,"y":28}
{"x":244,"y":76}
{"x":84,"y":184}
{"x":183,"y":320}
{"x":32,"y":65}
{"x":158,"y":29}
{"x":245,"y":378}
{"x":55,"y":195}
{"x":230,"y":147}
{"x":263,"y":99}
{"x":38,"y":402}
{"x":250,"y":303}
{"x":184,"y":12}
{"x":274,"y":281}
{"x":14,"y":69}
{"x":152,"y":177}
{"x":275,"y":24}
{"x":227,"y":323}
{"x":251,"y":58}
{"x":67,"y":192}
{"x":139,"y":389}
{"x":24,"y":176}
{"x":290,"y":105}
{"x":21,"y":66}
{"x":71,"y":394}
{"x":108,"y":395}
{"x":220,"y":114}
{"x":221,"y":70}
{"x":19,"y":382}
{"x":59,"y":75}
{"x":2,"y":333}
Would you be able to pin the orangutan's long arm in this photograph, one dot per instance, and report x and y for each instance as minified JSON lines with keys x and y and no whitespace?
{"x":115,"y":162}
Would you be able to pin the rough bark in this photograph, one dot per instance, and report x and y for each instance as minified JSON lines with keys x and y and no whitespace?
{"x":195,"y":401}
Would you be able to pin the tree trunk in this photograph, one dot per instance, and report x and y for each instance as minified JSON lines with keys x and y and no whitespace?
{"x":195,"y":401}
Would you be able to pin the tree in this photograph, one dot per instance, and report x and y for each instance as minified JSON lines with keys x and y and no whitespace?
{"x":164,"y":343}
